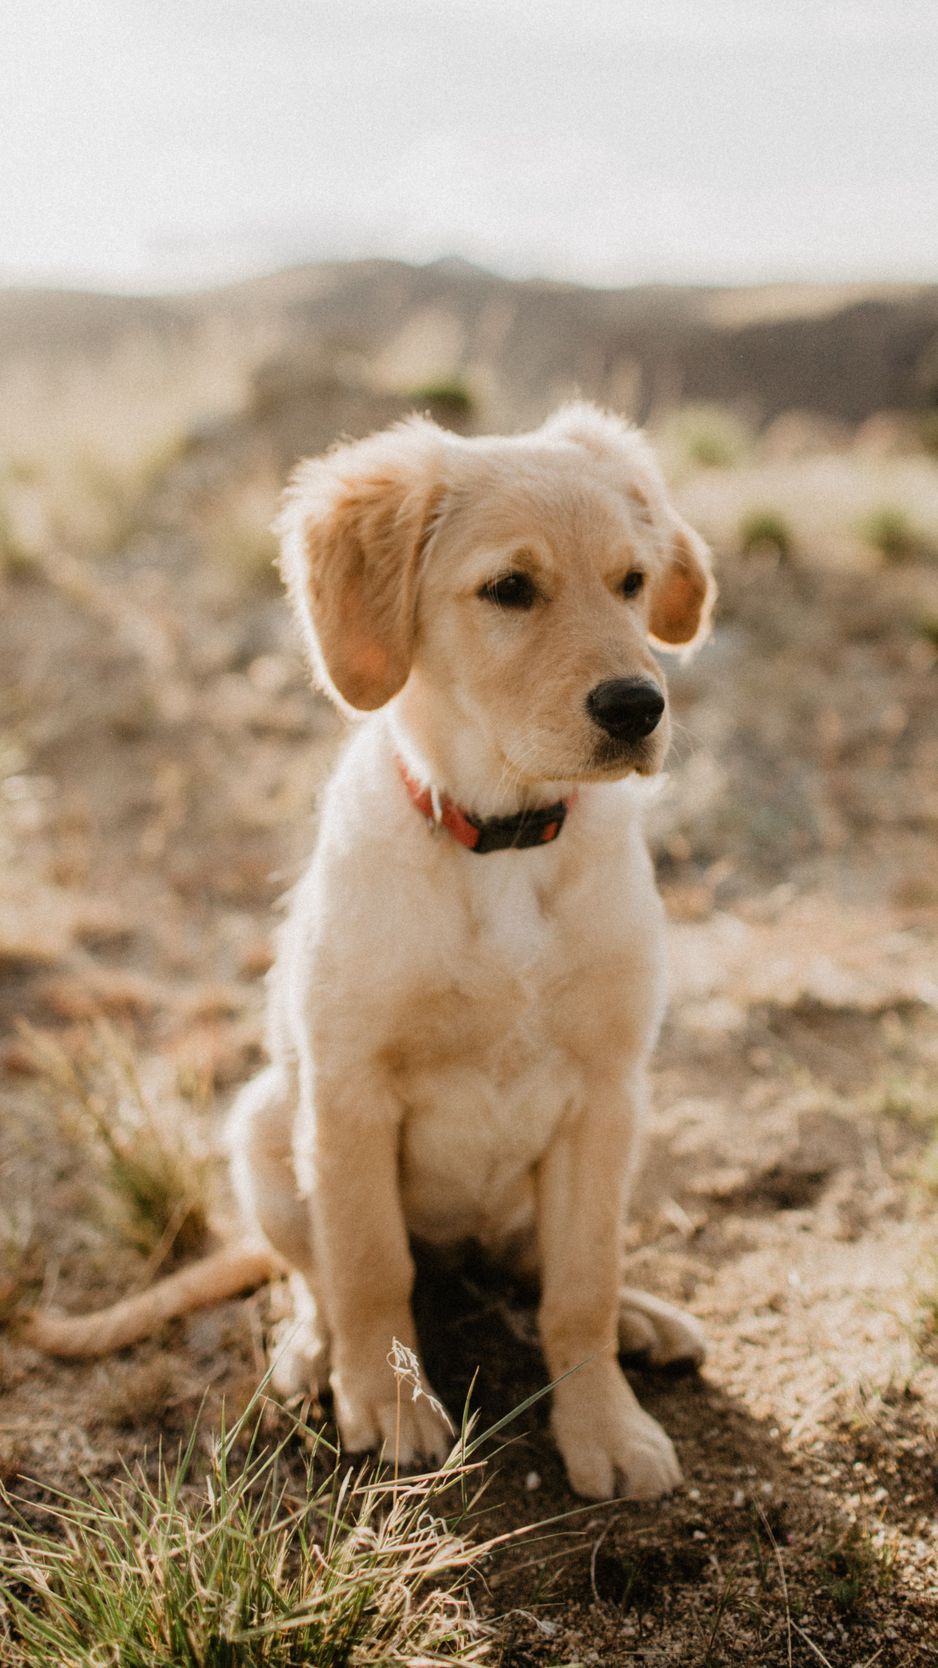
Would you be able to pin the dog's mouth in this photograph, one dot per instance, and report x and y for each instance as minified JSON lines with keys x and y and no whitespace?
{"x":615,"y":758}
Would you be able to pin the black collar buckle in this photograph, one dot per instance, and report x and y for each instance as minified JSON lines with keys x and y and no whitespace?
{"x":526,"y":828}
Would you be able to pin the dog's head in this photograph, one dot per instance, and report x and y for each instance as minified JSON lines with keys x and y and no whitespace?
{"x":511,"y":586}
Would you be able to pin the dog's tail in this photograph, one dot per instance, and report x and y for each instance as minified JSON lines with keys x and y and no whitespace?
{"x":222,"y":1274}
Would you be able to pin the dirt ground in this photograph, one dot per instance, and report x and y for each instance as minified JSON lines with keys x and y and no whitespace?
{"x":159,"y":762}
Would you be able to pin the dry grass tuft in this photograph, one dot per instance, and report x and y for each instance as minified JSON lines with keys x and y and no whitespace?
{"x":156,"y":1173}
{"x":260,"y":1559}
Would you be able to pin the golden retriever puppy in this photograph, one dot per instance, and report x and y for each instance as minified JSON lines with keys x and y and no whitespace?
{"x":470,"y":979}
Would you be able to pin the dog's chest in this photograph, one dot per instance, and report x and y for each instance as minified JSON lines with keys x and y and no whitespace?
{"x":484,"y":1067}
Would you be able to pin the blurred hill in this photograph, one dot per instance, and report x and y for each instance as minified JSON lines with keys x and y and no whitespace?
{"x":842,"y":352}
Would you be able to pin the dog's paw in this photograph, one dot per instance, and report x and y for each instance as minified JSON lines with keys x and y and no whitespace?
{"x":298,"y":1343}
{"x":609,"y":1444}
{"x":668,"y":1336}
{"x":299,"y":1360}
{"x":375,"y":1412}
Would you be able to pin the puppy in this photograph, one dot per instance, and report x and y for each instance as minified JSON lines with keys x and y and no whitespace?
{"x":470,"y":979}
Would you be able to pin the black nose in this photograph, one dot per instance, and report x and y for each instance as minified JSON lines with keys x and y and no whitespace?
{"x":626,"y":708}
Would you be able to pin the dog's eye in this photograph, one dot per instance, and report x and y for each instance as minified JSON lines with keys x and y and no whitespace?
{"x":513,"y":590}
{"x":632,"y":584}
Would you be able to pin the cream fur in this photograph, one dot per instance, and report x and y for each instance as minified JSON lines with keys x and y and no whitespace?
{"x":458,"y":1042}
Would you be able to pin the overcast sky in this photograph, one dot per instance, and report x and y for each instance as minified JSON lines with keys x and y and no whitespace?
{"x":152,"y":142}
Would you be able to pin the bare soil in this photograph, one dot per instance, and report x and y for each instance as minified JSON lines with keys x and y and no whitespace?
{"x":159,"y":761}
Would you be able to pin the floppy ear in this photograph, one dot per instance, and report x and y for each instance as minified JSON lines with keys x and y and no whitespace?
{"x":354,"y":527}
{"x":684,"y":591}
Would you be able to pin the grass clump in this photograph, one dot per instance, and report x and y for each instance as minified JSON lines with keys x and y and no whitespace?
{"x":263,"y":1559}
{"x":449,"y":396}
{"x":155,"y":1174}
{"x":891,"y":532}
{"x":766,"y":532}
{"x":854,"y":1569}
{"x":709,"y":437}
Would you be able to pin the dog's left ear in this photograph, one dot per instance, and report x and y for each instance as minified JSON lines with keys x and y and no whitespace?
{"x":354,"y":527}
{"x":683,"y":593}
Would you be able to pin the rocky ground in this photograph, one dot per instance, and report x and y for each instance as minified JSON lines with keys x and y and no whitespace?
{"x":159,"y":762}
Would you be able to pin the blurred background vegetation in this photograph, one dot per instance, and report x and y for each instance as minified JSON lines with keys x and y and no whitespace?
{"x":793,"y":416}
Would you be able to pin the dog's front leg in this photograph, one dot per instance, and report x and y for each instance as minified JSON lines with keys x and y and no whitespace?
{"x":609,"y":1445}
{"x":367,"y":1274}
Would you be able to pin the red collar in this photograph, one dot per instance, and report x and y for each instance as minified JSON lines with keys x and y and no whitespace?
{"x":483,"y":834}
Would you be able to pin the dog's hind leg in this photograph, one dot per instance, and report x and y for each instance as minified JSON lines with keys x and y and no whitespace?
{"x":261,"y":1142}
{"x":664,"y":1334}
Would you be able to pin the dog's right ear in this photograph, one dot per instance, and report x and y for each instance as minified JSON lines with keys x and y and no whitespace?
{"x":684,"y":592}
{"x":353,"y":528}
